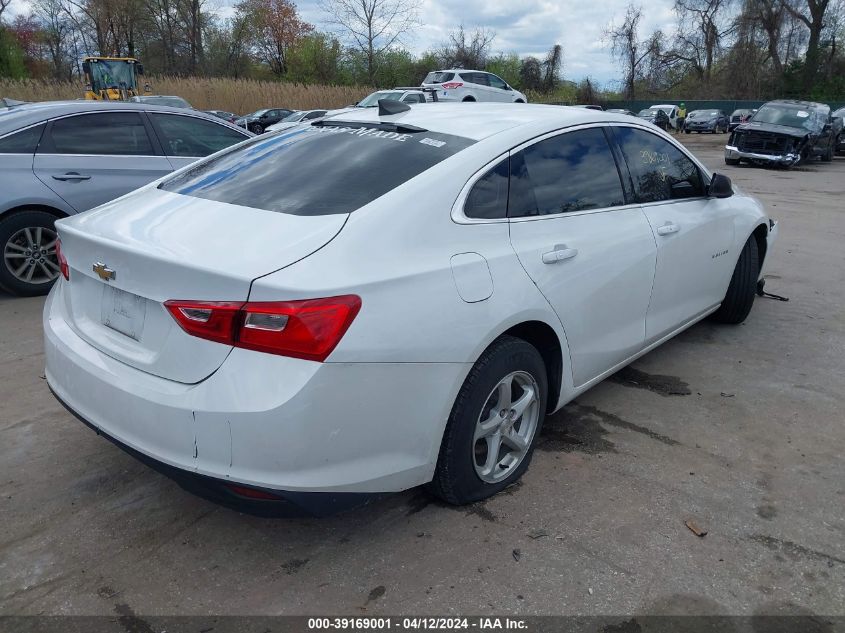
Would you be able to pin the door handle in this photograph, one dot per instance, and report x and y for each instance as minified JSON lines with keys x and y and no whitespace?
{"x":559,"y":254}
{"x":72,"y":176}
{"x":668,"y":229}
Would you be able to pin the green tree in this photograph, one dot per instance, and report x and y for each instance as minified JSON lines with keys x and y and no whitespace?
{"x":506,"y":66}
{"x":11,"y":56}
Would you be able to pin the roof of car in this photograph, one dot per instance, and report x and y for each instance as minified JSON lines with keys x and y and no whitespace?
{"x":480,"y":120}
{"x":797,"y":103}
{"x":30,"y":113}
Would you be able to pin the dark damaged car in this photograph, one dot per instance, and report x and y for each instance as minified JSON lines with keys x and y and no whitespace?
{"x":784,"y":133}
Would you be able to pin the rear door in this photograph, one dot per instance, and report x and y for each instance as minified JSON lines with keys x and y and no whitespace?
{"x":89,"y":159}
{"x":590,"y":253}
{"x":694,"y":233}
{"x":483,"y":91}
{"x":186,"y":138}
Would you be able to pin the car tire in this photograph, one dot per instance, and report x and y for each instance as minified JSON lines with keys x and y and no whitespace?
{"x":459,"y":477}
{"x":732,"y":161}
{"x":743,"y":287}
{"x":468,"y":100}
{"x":255,"y":128}
{"x":19,"y":233}
{"x":828,"y":154}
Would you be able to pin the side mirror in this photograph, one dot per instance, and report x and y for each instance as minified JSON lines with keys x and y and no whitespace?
{"x":139,"y":68}
{"x":86,"y":68}
{"x":720,"y":187}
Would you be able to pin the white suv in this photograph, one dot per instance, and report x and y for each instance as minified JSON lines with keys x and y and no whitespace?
{"x":471,"y":85}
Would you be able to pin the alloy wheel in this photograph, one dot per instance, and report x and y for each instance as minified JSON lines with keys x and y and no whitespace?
{"x":30,"y":255}
{"x":506,"y":426}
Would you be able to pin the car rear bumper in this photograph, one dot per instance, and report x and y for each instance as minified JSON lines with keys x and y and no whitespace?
{"x":261,"y":420}
{"x":734,"y":153}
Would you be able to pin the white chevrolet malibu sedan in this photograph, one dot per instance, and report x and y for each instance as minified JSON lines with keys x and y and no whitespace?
{"x":390,"y":298}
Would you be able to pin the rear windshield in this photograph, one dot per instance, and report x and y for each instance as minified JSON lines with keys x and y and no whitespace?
{"x":372,"y":100}
{"x":438,"y":78}
{"x":173,"y":102}
{"x":316,"y":170}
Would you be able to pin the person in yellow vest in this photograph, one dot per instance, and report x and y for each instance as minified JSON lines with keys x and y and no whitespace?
{"x":682,"y":116}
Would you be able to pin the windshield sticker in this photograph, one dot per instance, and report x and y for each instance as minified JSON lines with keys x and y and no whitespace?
{"x":432,"y":142}
{"x":362,"y":131}
{"x":803,"y":114}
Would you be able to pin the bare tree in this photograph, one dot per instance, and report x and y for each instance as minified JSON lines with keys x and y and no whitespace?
{"x":627,"y":47}
{"x":3,"y":5}
{"x":702,"y":26}
{"x":552,"y":68}
{"x":373,"y":26}
{"x":466,"y":50}
{"x":812,"y":14}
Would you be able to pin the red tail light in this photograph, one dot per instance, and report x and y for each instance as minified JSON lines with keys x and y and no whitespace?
{"x":308,"y":329}
{"x":451,"y":85}
{"x":60,"y":256}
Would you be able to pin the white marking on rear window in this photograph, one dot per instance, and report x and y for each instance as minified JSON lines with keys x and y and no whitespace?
{"x":802,"y":114}
{"x":362,"y":131}
{"x":432,"y":142}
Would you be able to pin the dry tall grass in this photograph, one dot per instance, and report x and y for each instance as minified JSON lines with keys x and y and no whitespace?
{"x":235,"y":95}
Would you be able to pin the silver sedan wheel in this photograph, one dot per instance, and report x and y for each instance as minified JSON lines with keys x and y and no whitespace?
{"x":30,"y":255}
{"x":506,"y":426}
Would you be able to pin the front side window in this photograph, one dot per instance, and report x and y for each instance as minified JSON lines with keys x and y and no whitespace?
{"x":497,"y":83}
{"x":102,"y":133}
{"x":488,"y":198}
{"x":191,"y":136}
{"x":660,"y":170}
{"x":23,"y":142}
{"x":574,"y":171}
{"x":317,"y":170}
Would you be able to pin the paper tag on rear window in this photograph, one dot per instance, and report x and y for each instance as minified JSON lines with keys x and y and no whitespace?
{"x":802,"y":114}
{"x":432,"y":142}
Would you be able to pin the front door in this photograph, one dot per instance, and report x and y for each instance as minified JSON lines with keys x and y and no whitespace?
{"x":591,"y":255}
{"x":694,"y":233}
{"x":89,"y":159}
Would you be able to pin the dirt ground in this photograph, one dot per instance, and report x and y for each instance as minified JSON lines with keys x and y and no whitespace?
{"x":739,"y":429}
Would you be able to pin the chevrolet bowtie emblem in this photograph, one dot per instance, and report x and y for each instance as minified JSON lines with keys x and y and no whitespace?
{"x":104,"y":272}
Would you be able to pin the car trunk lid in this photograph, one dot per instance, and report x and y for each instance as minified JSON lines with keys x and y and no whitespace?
{"x":129,"y":256}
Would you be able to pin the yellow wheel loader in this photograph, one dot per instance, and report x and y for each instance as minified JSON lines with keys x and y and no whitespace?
{"x":112,"y":78}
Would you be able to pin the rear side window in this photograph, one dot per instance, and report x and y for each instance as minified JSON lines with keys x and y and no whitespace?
{"x":659,"y":169}
{"x":191,"y":136}
{"x":102,"y":133}
{"x":478,"y":78}
{"x":488,"y":198}
{"x":574,"y":171}
{"x":23,"y":142}
{"x":317,"y":170}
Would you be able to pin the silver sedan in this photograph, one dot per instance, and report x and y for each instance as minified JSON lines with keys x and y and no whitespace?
{"x":61,"y":158}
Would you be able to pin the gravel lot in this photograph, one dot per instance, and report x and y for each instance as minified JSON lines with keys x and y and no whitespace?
{"x":739,"y":429}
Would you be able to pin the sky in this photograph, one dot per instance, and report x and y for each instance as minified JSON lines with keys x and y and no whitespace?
{"x":526,"y":27}
{"x":531,"y":27}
